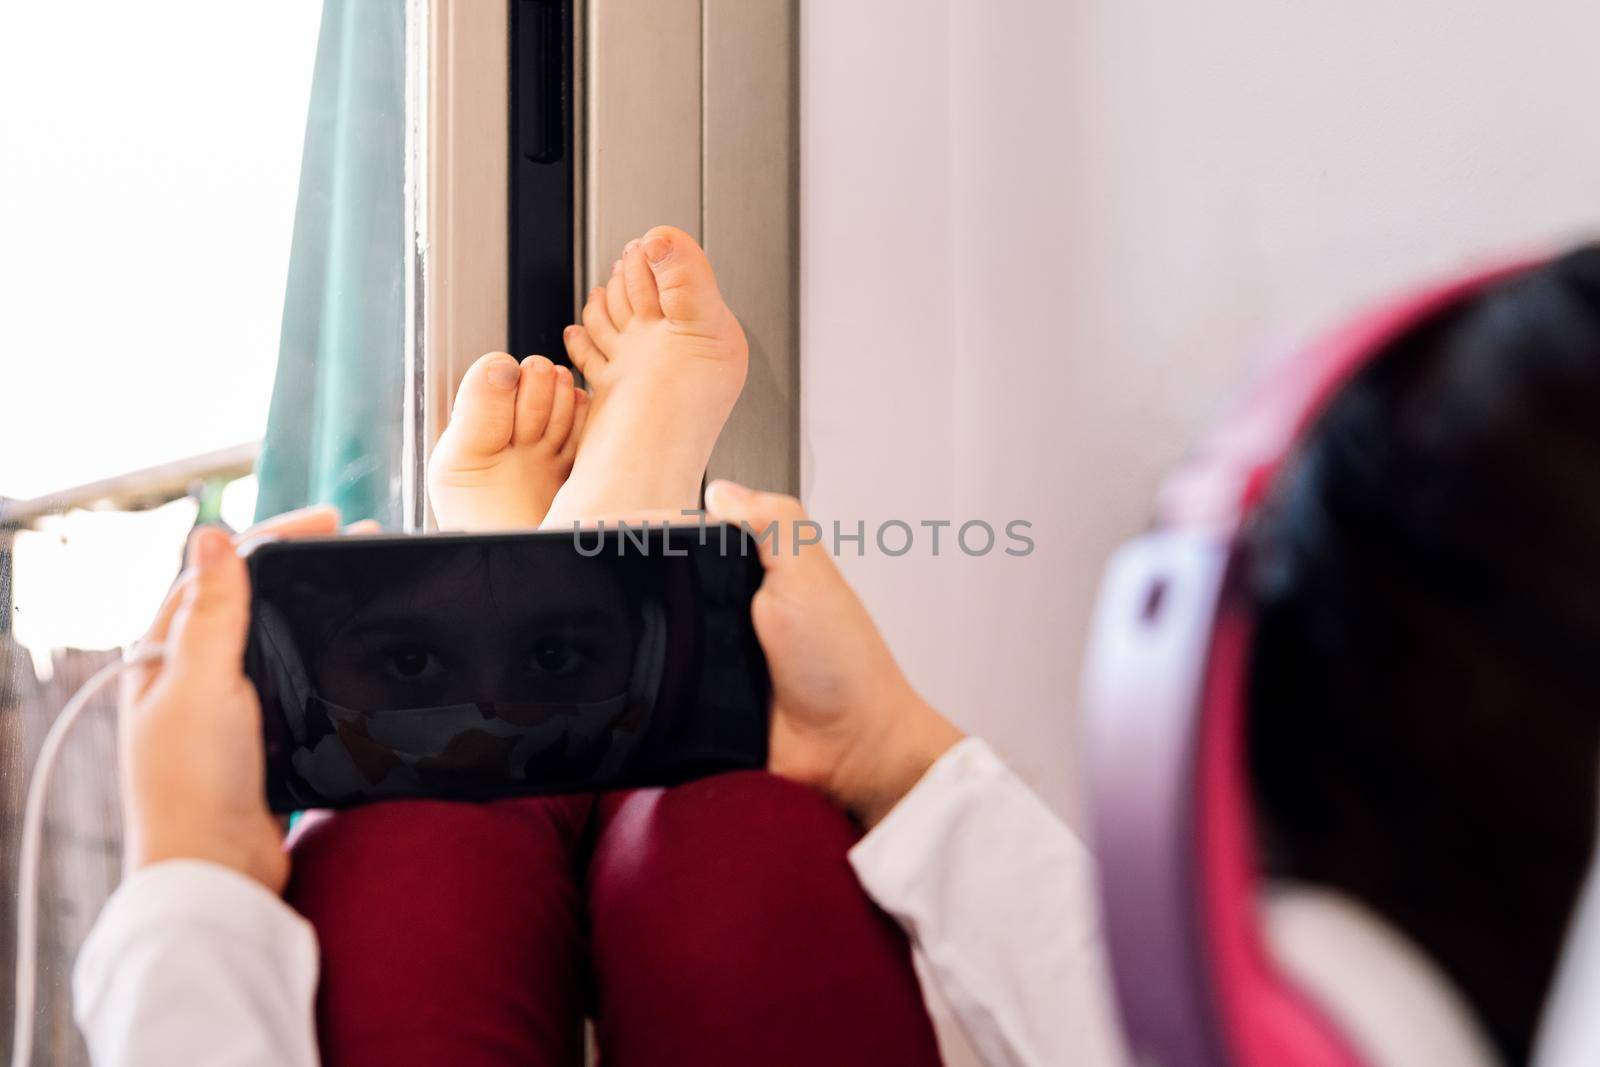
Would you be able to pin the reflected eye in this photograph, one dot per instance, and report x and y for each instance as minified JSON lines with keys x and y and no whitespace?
{"x":412,"y":663}
{"x":553,"y":655}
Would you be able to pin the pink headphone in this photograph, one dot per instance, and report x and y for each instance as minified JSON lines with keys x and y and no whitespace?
{"x":1166,"y":685}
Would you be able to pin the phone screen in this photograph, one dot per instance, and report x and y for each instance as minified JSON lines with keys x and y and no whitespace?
{"x":478,"y":666}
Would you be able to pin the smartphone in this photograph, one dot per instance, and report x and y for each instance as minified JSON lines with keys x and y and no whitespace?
{"x":476,"y":666}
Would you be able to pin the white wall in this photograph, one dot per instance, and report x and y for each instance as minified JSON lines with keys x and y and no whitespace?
{"x":1043,"y":243}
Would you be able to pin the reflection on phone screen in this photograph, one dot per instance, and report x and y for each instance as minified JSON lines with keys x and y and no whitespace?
{"x":478,"y":667}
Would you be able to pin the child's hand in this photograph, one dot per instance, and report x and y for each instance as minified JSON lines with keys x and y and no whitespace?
{"x":844,"y":719}
{"x":192,"y":761}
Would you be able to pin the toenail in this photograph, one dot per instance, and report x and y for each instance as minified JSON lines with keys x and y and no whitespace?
{"x":657,"y":249}
{"x":616,"y":265}
{"x":503,"y":375}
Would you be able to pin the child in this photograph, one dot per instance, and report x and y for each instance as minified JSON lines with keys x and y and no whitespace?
{"x":724,"y":921}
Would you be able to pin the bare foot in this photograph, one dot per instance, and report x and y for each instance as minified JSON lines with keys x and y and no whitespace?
{"x":509,"y":445}
{"x":665,"y":360}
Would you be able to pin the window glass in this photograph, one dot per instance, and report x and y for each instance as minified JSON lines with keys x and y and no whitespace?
{"x":173,"y":199}
{"x":147,"y":194}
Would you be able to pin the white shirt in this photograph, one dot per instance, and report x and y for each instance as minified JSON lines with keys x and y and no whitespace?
{"x":1384,"y":993}
{"x":192,"y":963}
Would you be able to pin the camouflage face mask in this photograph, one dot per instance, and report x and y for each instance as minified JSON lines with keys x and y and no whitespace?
{"x":424,"y":751}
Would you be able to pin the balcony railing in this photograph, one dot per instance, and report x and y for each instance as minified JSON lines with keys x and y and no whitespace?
{"x":136,"y":490}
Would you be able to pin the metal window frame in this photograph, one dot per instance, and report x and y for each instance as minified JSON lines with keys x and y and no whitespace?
{"x":693,"y":107}
{"x":686,"y":111}
{"x":456,"y":306}
{"x":545,"y":167}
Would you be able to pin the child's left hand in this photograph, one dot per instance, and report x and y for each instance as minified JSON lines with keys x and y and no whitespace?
{"x":845,"y":720}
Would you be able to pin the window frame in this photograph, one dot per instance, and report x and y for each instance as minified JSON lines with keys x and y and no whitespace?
{"x":697,"y":105}
{"x":456,"y":248}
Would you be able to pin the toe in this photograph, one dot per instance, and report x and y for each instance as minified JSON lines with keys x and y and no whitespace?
{"x":535,"y":399}
{"x":560,"y":427}
{"x":580,"y":418}
{"x":640,"y":283}
{"x":617,"y":298}
{"x":583,"y":352}
{"x":684,"y":280}
{"x":484,"y":414}
{"x":597,"y":318}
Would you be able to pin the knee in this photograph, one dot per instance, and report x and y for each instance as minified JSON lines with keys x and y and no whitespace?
{"x":736,"y":859}
{"x":741,"y":885}
{"x":423,"y":853}
{"x":392,"y":832}
{"x":750,"y":826}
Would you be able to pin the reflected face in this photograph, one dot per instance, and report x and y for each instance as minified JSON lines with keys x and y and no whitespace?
{"x":484,"y":628}
{"x":475,"y":668}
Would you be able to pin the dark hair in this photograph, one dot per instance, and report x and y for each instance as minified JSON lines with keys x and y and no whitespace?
{"x":1425,"y":690}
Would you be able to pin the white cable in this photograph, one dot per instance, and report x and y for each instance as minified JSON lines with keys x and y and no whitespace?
{"x":33,"y":839}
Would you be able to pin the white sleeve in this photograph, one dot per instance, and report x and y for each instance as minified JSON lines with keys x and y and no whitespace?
{"x":192,"y":963}
{"x":999,"y":896}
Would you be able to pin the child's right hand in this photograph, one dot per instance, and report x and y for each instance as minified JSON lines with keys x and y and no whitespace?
{"x":192,"y":761}
{"x":844,"y":719}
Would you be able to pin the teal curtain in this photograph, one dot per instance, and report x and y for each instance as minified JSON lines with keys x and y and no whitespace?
{"x":334,"y":429}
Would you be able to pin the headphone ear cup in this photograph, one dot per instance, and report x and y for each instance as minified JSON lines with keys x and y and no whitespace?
{"x":650,"y":656}
{"x":279,"y":673}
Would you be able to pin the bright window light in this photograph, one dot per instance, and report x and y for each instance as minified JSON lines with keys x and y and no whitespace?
{"x":147,"y":197}
{"x":147,"y":191}
{"x":94,"y":579}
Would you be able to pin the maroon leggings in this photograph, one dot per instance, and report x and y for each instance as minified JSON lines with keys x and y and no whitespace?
{"x":717,"y":922}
